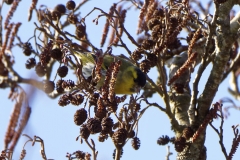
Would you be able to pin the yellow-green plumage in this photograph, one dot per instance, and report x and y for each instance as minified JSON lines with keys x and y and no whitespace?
{"x":129,"y":79}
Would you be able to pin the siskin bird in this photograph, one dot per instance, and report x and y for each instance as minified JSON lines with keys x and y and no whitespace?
{"x":130,"y":79}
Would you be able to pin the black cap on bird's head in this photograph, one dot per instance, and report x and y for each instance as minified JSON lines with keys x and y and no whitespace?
{"x":141,"y":78}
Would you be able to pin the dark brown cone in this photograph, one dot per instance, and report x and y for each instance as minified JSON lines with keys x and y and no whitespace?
{"x":8,"y":1}
{"x":93,"y":99}
{"x":55,"y":15}
{"x":152,"y":23}
{"x":163,"y":140}
{"x":137,"y":54}
{"x":27,"y":48}
{"x":79,"y":154}
{"x":62,"y":71}
{"x":107,"y":124}
{"x":114,"y":153}
{"x":136,"y":143}
{"x":44,"y":57}
{"x":80,"y":30}
{"x":71,"y":5}
{"x":59,"y":86}
{"x":158,"y":13}
{"x":145,"y":66}
{"x":119,"y":137}
{"x":80,"y":116}
{"x":64,"y":100}
{"x":113,"y":107}
{"x":94,"y":125}
{"x":152,"y":59}
{"x":40,"y":70}
{"x":180,"y":144}
{"x":102,"y":137}
{"x":68,"y":84}
{"x":147,"y":44}
{"x":100,"y":110}
{"x":60,"y":8}
{"x":56,"y":54}
{"x":31,"y":62}
{"x":73,"y":19}
{"x":84,"y":132}
{"x":48,"y":86}
{"x":77,"y":99}
{"x":137,"y":107}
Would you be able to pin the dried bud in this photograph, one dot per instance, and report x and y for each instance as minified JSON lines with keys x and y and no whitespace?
{"x":84,"y":131}
{"x":113,"y":107}
{"x":56,"y":54}
{"x":48,"y":86}
{"x":152,"y":59}
{"x":94,"y":125}
{"x":100,"y":109}
{"x":163,"y":140}
{"x":102,"y":137}
{"x":147,"y":44}
{"x":68,"y":84}
{"x":79,"y":154}
{"x":156,"y":32}
{"x":107,"y":124}
{"x":173,"y":23}
{"x":136,"y":143}
{"x":119,"y":137}
{"x":145,"y":66}
{"x":59,"y":86}
{"x":71,"y":5}
{"x":44,"y":57}
{"x":80,"y":116}
{"x":31,"y":62}
{"x":60,"y":8}
{"x":8,"y":1}
{"x":114,"y":152}
{"x":62,"y":71}
{"x":137,"y":107}
{"x":137,"y":54}
{"x":80,"y":30}
{"x":180,"y":144}
{"x":77,"y":99}
{"x":94,"y":99}
{"x":73,"y":19}
{"x":64,"y":100}
{"x":27,"y":48}
{"x":152,"y":23}
{"x":55,"y":15}
{"x":40,"y":70}
{"x":158,"y":13}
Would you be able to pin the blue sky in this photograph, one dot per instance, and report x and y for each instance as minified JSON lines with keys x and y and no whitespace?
{"x":54,"y":124}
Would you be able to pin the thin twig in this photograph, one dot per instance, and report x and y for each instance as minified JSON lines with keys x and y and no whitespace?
{"x":92,"y":148}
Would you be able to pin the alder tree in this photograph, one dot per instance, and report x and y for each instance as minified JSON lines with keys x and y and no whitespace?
{"x":174,"y":38}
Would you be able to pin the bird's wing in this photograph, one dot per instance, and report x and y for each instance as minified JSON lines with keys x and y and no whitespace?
{"x":88,"y":62}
